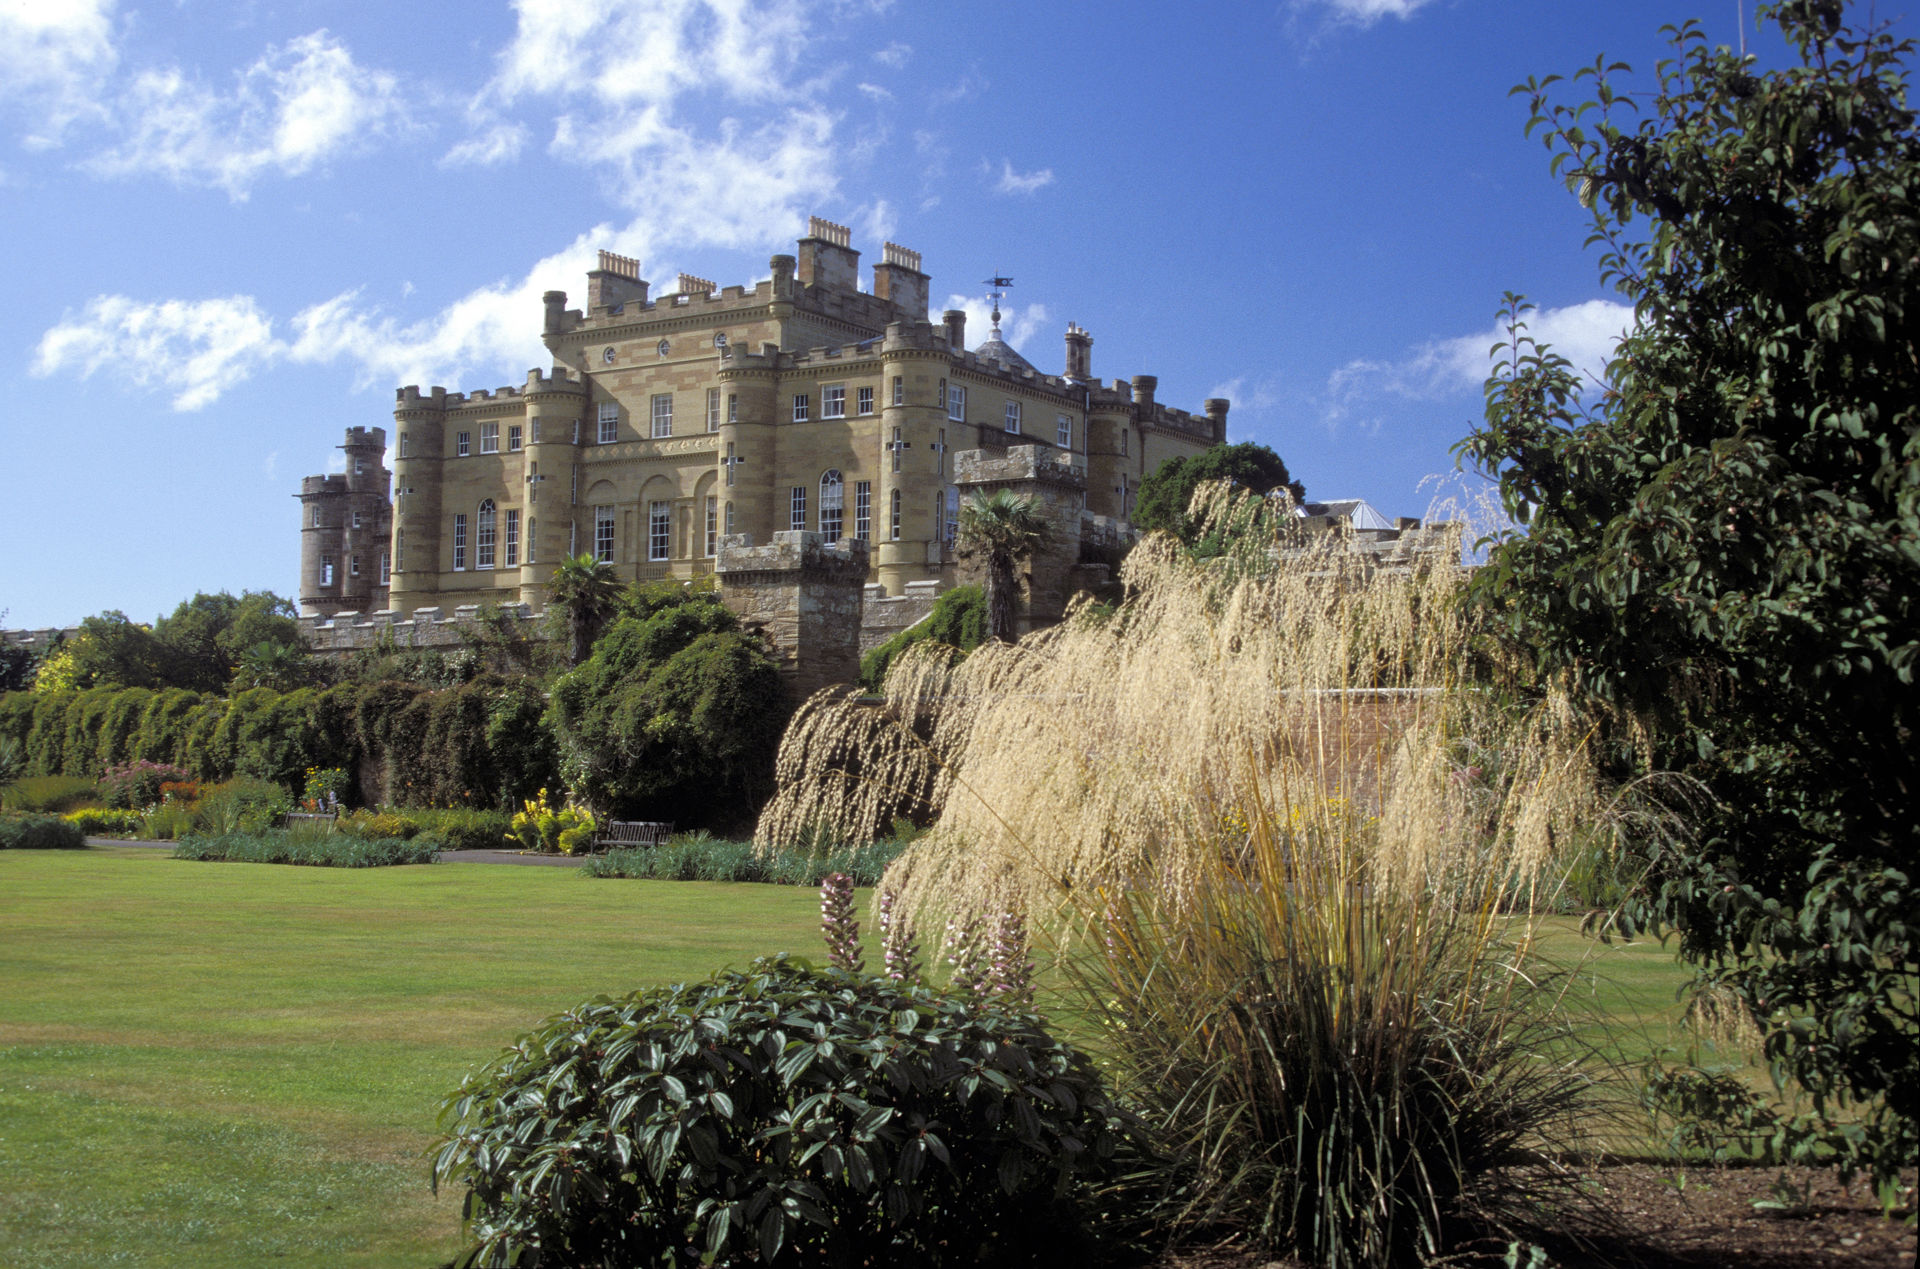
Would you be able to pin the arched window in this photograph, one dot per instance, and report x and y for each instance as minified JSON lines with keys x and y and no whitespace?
{"x":483,"y":536}
{"x":833,"y":497}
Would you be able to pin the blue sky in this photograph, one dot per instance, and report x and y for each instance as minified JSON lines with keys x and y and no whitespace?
{"x":234,"y":229}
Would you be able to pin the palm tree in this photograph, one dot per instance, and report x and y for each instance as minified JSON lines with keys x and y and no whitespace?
{"x":1006,"y":528}
{"x":585,"y":589}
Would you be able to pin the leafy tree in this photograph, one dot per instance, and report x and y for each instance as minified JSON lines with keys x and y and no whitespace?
{"x":17,"y":665}
{"x":675,"y":716}
{"x":113,"y":651}
{"x":1725,"y":547}
{"x":1005,"y":528}
{"x":284,"y":667}
{"x":587,"y":592}
{"x":211,"y":635}
{"x":1166,"y":493}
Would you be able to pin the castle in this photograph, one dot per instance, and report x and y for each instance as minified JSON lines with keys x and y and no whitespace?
{"x":672,"y":423}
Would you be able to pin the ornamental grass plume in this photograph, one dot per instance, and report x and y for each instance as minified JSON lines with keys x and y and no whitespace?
{"x":1284,"y":826}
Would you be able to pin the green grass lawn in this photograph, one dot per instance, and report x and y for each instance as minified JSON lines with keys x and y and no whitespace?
{"x":236,"y":1064}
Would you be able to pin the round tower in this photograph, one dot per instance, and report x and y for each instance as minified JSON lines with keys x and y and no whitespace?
{"x":420,"y":423}
{"x":555,"y":421}
{"x":323,"y":503}
{"x":744,"y":476}
{"x":917,"y":422}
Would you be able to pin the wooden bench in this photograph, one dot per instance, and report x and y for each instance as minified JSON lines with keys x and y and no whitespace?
{"x":632,"y":833}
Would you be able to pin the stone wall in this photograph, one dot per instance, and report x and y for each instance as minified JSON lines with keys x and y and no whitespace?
{"x":806,"y":595}
{"x":882,"y":617}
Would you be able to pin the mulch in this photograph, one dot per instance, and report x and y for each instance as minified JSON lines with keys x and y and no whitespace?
{"x":1645,"y":1216}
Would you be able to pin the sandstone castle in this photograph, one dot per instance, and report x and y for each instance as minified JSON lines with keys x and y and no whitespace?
{"x":672,"y":425}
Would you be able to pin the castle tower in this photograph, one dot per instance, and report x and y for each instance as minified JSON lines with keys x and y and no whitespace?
{"x":911,"y":479}
{"x":345,"y":524}
{"x":421,"y":422}
{"x":556,"y":406}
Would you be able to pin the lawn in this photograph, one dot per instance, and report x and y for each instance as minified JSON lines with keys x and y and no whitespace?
{"x":235,"y":1064}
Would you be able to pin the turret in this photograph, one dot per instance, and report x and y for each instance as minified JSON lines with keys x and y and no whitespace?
{"x":955,"y":320}
{"x":1079,"y":354}
{"x":1216,"y":408}
{"x":421,"y":424}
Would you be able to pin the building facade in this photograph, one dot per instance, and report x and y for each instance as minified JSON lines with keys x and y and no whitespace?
{"x":669,"y":422}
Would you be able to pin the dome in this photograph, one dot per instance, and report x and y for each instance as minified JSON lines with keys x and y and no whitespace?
{"x":997,"y":349}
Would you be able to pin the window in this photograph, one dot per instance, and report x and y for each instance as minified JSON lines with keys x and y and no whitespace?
{"x":833,"y":401}
{"x":662,"y":415}
{"x":403,"y":444}
{"x":1013,"y":418}
{"x":957,"y":403}
{"x":533,"y":526}
{"x":535,"y":439}
{"x":359,"y":466}
{"x":386,"y":568}
{"x":951,"y":529}
{"x":659,"y":529}
{"x":894,"y":529}
{"x":326,"y":570}
{"x":573,"y":539}
{"x":897,"y":446}
{"x":730,"y":462}
{"x":463,"y":445}
{"x":733,"y":408}
{"x":940,"y":454}
{"x":603,"y":534}
{"x":800,"y":408}
{"x":797,"y":508}
{"x":355,"y":517}
{"x":899,"y":390}
{"x":863,"y":401}
{"x":483,"y":536}
{"x":399,"y":548}
{"x":316,"y":517}
{"x":513,"y":537}
{"x":609,"y":422}
{"x":833,"y":493}
{"x":713,"y":526}
{"x":576,"y":431}
{"x":573,"y":487}
{"x":460,"y":543}
{"x":513,"y":438}
{"x":863,"y":511}
{"x":489,"y":438}
{"x":1123,"y":440}
{"x":713,"y":409}
{"x":353,"y":566}
{"x":1063,"y":430}
{"x":729,"y":518}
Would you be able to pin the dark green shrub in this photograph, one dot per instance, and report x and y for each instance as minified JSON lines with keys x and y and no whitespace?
{"x":958,"y":619}
{"x":39,"y":832}
{"x":137,"y":783}
{"x":702,"y":857}
{"x":782,"y":1116}
{"x":318,"y":849}
{"x":460,"y":829}
{"x":378,"y":824}
{"x":49,"y":794}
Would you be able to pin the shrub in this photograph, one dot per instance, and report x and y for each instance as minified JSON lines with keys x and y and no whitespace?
{"x":456,"y":828}
{"x":51,"y":795}
{"x":167,"y":822}
{"x":99,"y":821}
{"x":701,"y":857}
{"x":139,"y":783}
{"x":782,"y":1116}
{"x":241,"y":806}
{"x":323,"y":850}
{"x":539,"y":827}
{"x":39,"y":832}
{"x":958,"y":620}
{"x":378,"y":824}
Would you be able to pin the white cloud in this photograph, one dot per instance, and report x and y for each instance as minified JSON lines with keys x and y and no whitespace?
{"x":1364,"y":12}
{"x":1583,"y":333}
{"x":499,"y":144}
{"x":874,"y":92}
{"x":876,"y":221}
{"x":894,"y":55}
{"x":1012,"y":182}
{"x":648,"y":52}
{"x":194,"y":349}
{"x":296,"y":107}
{"x":55,"y":56}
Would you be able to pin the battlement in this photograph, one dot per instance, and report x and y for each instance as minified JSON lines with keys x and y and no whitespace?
{"x":1023,"y":463}
{"x":324,"y":486}
{"x":410,"y":398}
{"x":366,"y":438}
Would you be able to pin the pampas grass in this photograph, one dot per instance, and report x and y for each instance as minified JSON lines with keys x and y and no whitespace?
{"x":1282,"y":825}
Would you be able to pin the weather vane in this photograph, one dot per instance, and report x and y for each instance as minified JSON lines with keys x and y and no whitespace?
{"x":999,"y":292}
